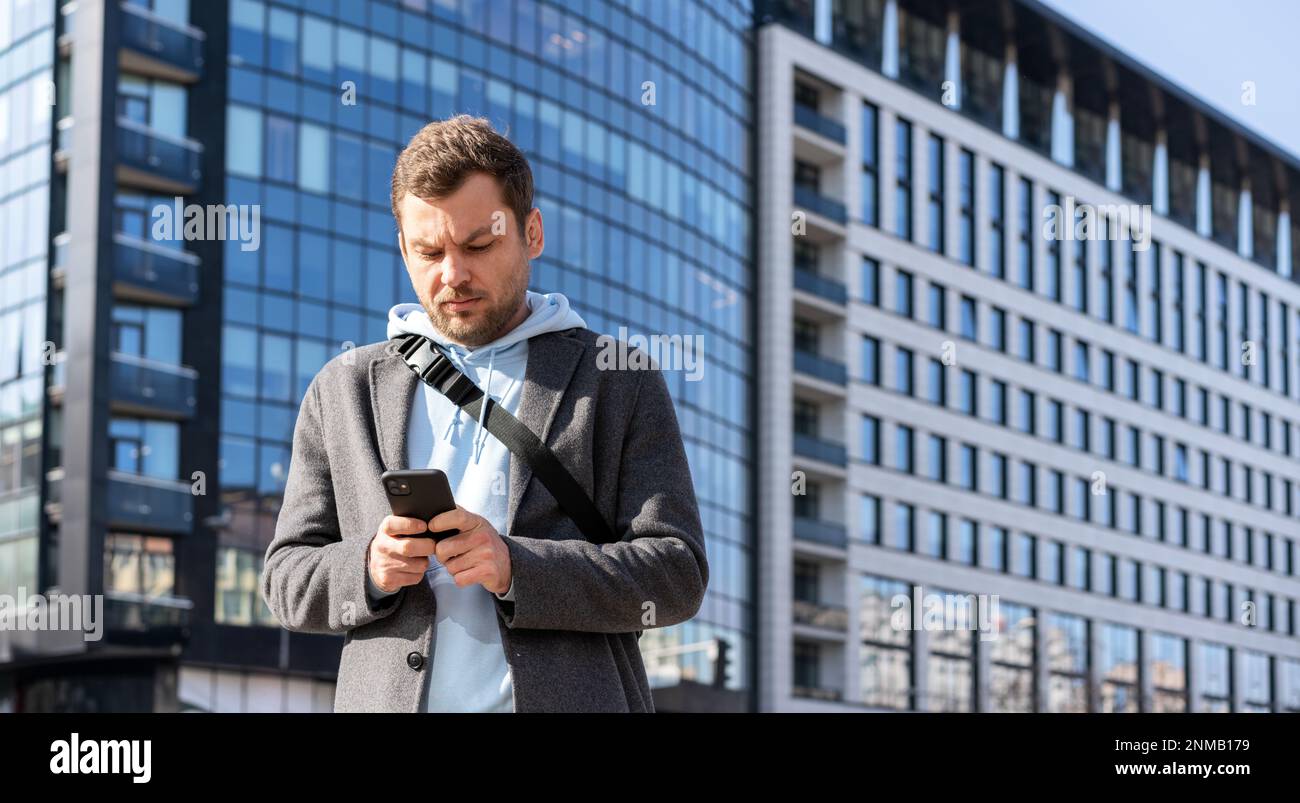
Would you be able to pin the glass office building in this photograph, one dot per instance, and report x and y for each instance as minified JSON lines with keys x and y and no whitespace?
{"x":180,"y":361}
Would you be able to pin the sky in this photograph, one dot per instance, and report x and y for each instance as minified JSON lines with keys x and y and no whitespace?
{"x":1209,"y":47}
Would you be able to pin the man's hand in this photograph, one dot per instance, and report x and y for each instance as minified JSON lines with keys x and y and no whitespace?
{"x":396,"y":559}
{"x":477,"y":554}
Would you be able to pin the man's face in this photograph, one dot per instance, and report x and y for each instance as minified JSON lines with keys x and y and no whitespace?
{"x":466,"y":260}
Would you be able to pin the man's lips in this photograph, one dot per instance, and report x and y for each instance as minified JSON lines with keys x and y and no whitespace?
{"x":463,"y":304}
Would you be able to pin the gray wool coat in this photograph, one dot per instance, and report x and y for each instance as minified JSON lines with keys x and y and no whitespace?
{"x":570,"y":634}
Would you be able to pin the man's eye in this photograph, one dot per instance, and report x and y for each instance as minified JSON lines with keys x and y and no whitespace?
{"x":433,"y":256}
{"x":479,"y":248}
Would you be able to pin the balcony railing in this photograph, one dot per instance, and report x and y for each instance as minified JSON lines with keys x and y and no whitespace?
{"x":817,"y":614}
{"x":156,"y":160}
{"x":138,"y":618}
{"x":151,"y":387}
{"x":821,"y":532}
{"x":829,"y":289}
{"x":175,"y":50}
{"x":815,"y":202}
{"x":805,"y":362}
{"x":813,"y":120}
{"x":135,"y":502}
{"x":145,"y":503}
{"x":818,"y":693}
{"x":150,"y":272}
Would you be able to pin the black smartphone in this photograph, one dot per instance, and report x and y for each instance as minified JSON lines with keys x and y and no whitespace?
{"x":420,"y":493}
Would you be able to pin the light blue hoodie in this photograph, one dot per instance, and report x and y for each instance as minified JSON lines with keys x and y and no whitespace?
{"x":468,"y":670}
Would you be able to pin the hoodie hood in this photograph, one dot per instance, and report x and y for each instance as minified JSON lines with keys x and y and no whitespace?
{"x":548,"y":312}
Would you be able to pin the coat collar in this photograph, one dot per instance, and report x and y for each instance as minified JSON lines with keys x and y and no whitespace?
{"x":552,"y":359}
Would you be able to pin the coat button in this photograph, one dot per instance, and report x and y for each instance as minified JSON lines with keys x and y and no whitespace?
{"x":415,"y":661}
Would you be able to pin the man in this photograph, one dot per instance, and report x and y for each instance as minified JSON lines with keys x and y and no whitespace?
{"x":517,"y":612}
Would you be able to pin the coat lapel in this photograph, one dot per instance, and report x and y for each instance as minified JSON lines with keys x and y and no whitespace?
{"x":392,"y":393}
{"x":552,"y":359}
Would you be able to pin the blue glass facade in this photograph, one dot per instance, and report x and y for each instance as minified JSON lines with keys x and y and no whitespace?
{"x":635,"y":117}
{"x":26,"y":104}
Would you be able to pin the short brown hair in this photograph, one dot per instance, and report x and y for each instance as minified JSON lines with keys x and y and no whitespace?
{"x":443,"y":154}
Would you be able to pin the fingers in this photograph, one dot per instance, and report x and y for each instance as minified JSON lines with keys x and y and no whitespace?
{"x":392,"y":581}
{"x":458,"y":519}
{"x":402,"y":525}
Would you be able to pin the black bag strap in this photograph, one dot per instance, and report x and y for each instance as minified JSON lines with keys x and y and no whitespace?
{"x":439,"y":373}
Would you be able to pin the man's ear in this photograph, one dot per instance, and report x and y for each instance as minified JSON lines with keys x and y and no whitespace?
{"x":535,"y":237}
{"x":401,"y":242}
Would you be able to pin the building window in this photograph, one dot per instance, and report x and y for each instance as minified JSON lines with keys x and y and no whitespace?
{"x":1118,"y":664}
{"x":870,"y":166}
{"x":969,"y":319}
{"x":1106,"y":279}
{"x":870,"y":360}
{"x":1054,"y":249}
{"x":1011,"y":670}
{"x":1215,"y":667}
{"x":903,"y":371}
{"x":1130,"y":288}
{"x":903,"y":458}
{"x":950,"y":664}
{"x":966,"y":234}
{"x":938,"y":307}
{"x":935,"y":201}
{"x":998,"y":329}
{"x":1067,"y":663}
{"x":143,"y":565}
{"x":997,"y":221}
{"x":1154,"y":317}
{"x":886,"y":651}
{"x":903,"y":173}
{"x":870,"y":282}
{"x":1025,"y":254}
{"x":871,"y":439}
{"x":903,"y":293}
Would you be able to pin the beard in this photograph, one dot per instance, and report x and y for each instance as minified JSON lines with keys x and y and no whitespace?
{"x":477,"y":327}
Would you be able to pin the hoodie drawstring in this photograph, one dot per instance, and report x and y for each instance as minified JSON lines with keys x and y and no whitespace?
{"x":480,"y":437}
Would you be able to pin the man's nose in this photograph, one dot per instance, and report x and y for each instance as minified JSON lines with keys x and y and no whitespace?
{"x":454,"y":273}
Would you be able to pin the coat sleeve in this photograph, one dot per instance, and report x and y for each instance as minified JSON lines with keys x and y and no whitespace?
{"x":656,"y":575}
{"x":313,"y":579}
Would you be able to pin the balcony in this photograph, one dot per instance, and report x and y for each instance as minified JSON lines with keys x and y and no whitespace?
{"x":135,"y":502}
{"x":145,"y":271}
{"x":820,"y":286}
{"x":821,"y":693}
{"x":141,"y":386}
{"x":138,"y":386}
{"x":812,"y":200}
{"x":156,"y":161}
{"x":817,"y":614}
{"x":142,"y":271}
{"x":159,"y":47}
{"x":815,"y":365}
{"x":821,"y":532}
{"x":142,"y":620}
{"x":812,"y":120}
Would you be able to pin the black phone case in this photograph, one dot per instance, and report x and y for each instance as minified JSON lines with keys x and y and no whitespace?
{"x":430,"y":495}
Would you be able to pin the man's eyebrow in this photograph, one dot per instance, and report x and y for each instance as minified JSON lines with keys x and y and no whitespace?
{"x":420,"y":242}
